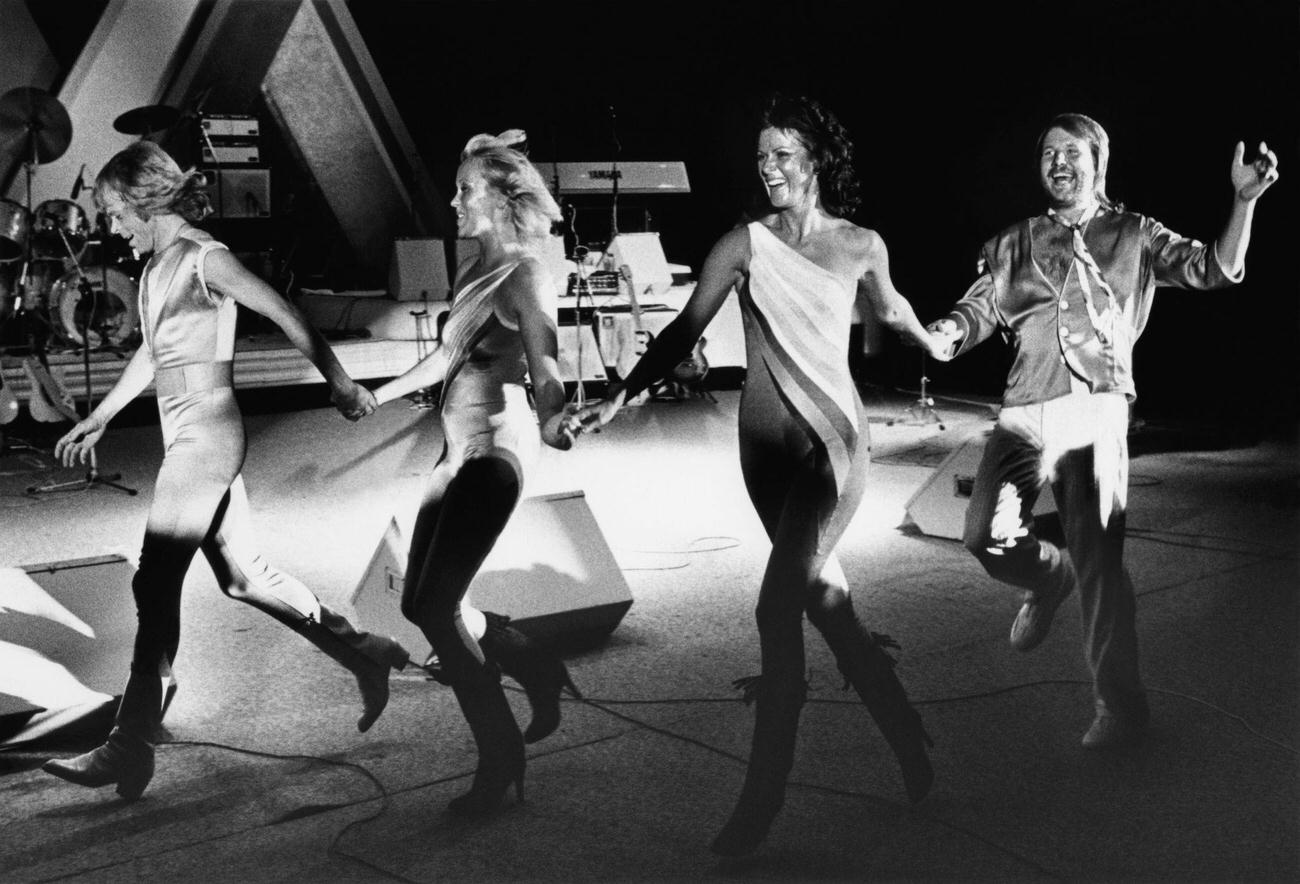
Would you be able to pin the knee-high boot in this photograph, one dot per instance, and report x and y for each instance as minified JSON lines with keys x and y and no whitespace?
{"x":870,"y":670}
{"x":500,"y":744}
{"x":367,"y":656}
{"x":541,"y":673}
{"x":776,"y":724}
{"x":126,"y":758}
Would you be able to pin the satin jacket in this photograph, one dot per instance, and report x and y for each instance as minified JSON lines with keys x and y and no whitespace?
{"x":1023,"y":292}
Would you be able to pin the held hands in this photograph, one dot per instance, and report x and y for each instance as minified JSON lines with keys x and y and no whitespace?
{"x":76,"y":444}
{"x":561,"y":429}
{"x":1251,"y":180}
{"x":943,"y":338}
{"x":597,"y":414}
{"x":354,"y":402}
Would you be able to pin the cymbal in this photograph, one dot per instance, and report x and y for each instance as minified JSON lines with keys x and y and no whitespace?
{"x":34,"y":126}
{"x":150,"y":118}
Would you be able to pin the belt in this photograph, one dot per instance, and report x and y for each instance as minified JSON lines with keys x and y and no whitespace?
{"x":197,"y":377}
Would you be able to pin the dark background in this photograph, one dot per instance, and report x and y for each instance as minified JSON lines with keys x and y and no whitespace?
{"x":945,"y":102}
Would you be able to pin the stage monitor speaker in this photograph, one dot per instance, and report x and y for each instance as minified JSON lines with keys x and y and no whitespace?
{"x":938,"y":507}
{"x":551,"y":572}
{"x":549,"y":250}
{"x":66,"y":636}
{"x":644,"y":256}
{"x":593,"y":364}
{"x":239,"y":193}
{"x":418,"y":270}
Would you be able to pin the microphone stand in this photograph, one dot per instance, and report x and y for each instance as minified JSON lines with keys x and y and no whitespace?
{"x":921,"y":412}
{"x":613,"y":214}
{"x":88,"y":294}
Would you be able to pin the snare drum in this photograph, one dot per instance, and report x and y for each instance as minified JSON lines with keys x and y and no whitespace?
{"x":54,"y":221}
{"x":112,"y":311}
{"x":14,"y":226}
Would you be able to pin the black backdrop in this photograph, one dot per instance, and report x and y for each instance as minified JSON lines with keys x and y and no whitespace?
{"x":944,"y":102}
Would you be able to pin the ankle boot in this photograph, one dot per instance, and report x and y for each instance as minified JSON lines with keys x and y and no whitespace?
{"x":124,"y":759}
{"x":776,"y":723}
{"x":870,"y":671}
{"x":367,"y":656}
{"x":542,"y":674}
{"x":500,"y":745}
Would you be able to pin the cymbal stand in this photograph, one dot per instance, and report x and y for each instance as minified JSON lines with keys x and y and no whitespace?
{"x":20,"y":302}
{"x":93,"y":476}
{"x":921,"y":412}
{"x":34,"y":342}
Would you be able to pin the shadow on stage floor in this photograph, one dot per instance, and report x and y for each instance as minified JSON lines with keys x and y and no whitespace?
{"x":266,"y":778}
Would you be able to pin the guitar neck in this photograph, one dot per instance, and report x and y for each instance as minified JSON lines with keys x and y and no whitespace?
{"x":626,"y":273}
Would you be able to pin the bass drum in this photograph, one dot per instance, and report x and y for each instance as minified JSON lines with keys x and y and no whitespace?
{"x":110,"y":309}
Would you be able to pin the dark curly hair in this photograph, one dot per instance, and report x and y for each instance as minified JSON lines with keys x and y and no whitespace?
{"x":828,"y":144}
{"x":145,"y":177}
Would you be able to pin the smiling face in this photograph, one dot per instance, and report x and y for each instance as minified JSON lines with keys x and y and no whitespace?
{"x":1067,"y":171}
{"x":786,"y":168}
{"x":477,"y":204}
{"x":125,"y":221}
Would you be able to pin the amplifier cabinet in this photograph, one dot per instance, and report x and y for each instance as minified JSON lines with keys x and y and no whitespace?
{"x":239,"y":193}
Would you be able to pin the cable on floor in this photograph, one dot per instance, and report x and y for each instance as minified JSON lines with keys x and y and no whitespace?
{"x":691,"y":548}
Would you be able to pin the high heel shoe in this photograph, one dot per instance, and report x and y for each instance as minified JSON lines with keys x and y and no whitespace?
{"x":367,"y":656}
{"x":869,"y":670}
{"x":777,"y":704}
{"x":124,"y":759}
{"x":541,"y":673}
{"x":500,"y":745}
{"x":488,"y":790}
{"x":749,"y":823}
{"x":372,"y":681}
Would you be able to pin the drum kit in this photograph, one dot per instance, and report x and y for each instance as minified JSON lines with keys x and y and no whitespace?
{"x":65,"y":281}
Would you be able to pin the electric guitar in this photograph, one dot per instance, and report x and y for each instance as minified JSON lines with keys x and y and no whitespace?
{"x":47,"y":399}
{"x":693,"y":368}
{"x":631,"y":349}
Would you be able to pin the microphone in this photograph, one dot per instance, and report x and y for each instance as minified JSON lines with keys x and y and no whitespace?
{"x":80,"y":184}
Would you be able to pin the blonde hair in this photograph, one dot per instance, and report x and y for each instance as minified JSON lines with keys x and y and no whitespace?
{"x":147,"y":179}
{"x":532,"y":209}
{"x":1085,"y":127}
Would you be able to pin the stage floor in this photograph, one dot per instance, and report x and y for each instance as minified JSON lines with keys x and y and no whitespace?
{"x":268,"y":780}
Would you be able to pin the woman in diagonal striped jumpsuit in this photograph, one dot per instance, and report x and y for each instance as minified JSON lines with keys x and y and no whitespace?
{"x":803,"y":435}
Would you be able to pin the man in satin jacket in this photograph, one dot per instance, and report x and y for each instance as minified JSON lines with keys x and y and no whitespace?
{"x":1071,"y":289}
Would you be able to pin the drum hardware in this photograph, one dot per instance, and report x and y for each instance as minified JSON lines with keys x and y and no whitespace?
{"x":145,"y":120}
{"x":85,"y":291}
{"x":36,"y":127}
{"x":58,"y":224}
